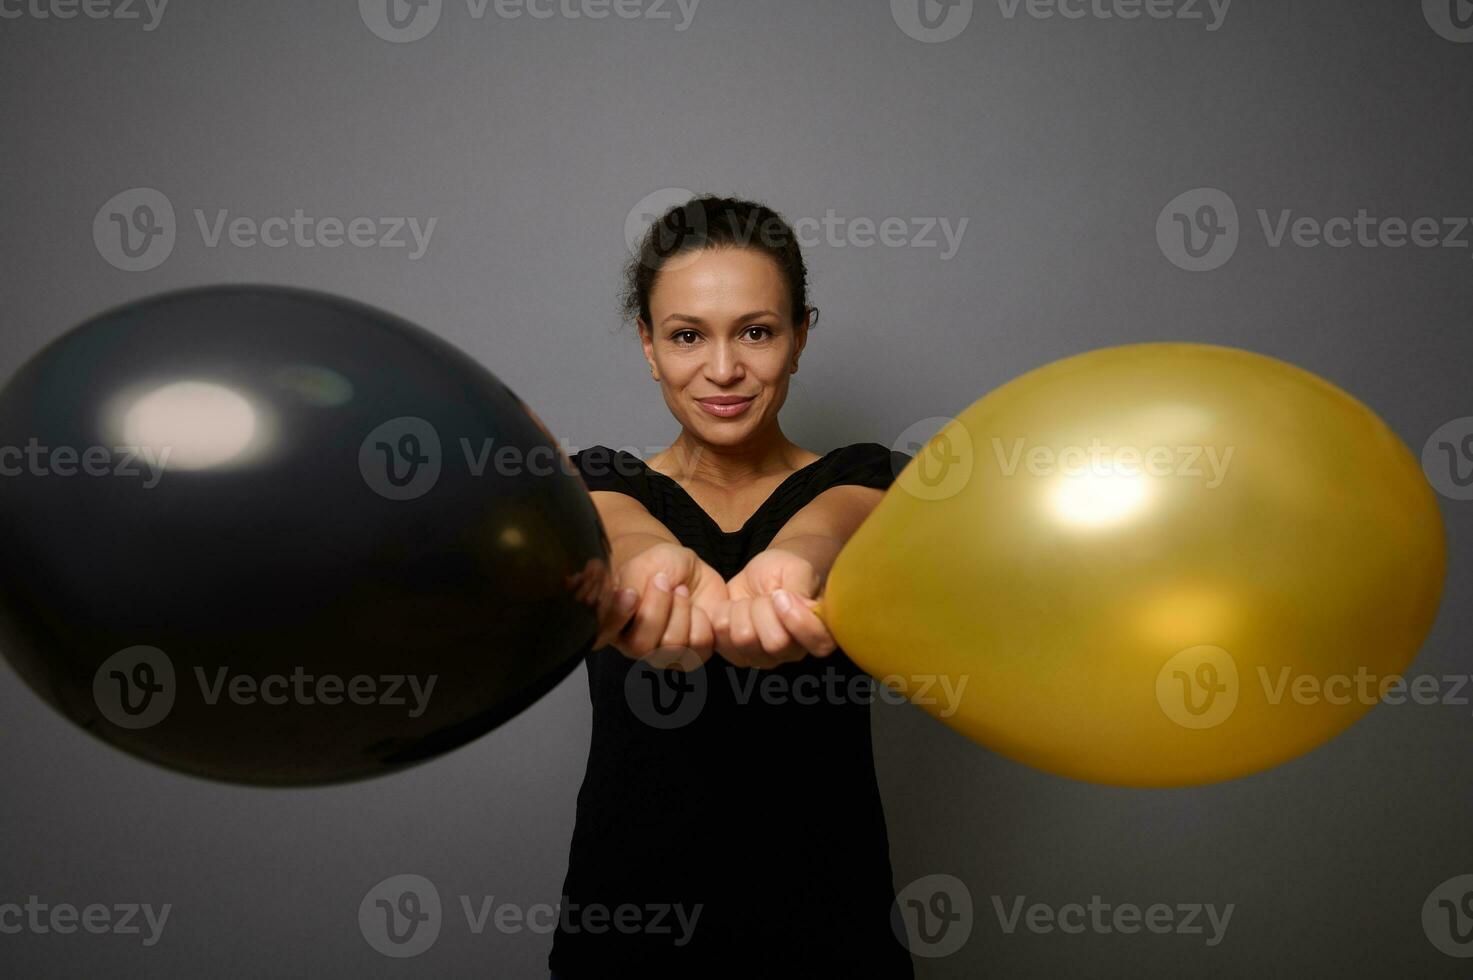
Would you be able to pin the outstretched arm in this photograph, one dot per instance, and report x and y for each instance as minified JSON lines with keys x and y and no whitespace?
{"x":769,"y":619}
{"x":659,"y":601}
{"x":818,"y":532}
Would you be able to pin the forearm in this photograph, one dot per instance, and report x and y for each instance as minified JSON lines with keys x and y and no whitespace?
{"x":819,"y":550}
{"x":819,"y":531}
{"x":631,"y":529}
{"x":625,"y":546}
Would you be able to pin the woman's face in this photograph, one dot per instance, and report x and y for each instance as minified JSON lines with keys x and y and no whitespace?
{"x":722,"y":342}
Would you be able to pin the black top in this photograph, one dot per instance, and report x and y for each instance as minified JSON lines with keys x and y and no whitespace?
{"x":734,"y":810}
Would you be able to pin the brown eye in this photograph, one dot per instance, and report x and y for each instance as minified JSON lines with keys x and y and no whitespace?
{"x":762,"y":332}
{"x":684,"y":336}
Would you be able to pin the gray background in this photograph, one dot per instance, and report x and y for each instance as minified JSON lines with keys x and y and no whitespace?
{"x":531,"y":140}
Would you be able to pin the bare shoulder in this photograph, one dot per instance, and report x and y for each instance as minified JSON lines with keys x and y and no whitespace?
{"x":839,"y":508}
{"x":808,"y":458}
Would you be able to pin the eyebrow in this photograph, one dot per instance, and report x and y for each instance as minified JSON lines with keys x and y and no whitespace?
{"x":687,"y":318}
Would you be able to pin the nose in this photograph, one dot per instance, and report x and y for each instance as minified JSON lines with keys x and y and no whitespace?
{"x":724,"y":367}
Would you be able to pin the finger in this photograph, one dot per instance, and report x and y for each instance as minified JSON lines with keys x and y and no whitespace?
{"x":702,"y":635}
{"x":616,"y":616}
{"x":677,"y":628}
{"x":772,"y":634}
{"x":719,"y":613}
{"x":803,"y":624}
{"x":745,"y":638}
{"x":736,"y":639}
{"x":651,"y":616}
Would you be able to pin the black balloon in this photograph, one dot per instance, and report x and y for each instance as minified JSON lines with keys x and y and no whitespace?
{"x":275,"y":537}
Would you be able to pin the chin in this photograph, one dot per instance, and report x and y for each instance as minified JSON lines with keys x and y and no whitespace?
{"x":721,"y":434}
{"x":718,"y":433}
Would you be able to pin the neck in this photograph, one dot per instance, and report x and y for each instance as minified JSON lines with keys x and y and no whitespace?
{"x":690,"y":458}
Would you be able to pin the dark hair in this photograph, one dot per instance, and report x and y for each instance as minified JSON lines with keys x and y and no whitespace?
{"x":716,"y":222}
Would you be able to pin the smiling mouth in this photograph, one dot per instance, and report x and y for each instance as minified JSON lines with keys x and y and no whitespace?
{"x":726,"y":406}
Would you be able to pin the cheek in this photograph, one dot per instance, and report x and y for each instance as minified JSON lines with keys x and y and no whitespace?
{"x":772,"y":367}
{"x":675,"y":369}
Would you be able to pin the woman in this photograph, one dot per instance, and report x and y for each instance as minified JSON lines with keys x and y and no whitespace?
{"x":729,"y":820}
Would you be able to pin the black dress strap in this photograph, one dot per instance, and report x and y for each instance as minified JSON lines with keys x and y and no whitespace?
{"x":865,"y":464}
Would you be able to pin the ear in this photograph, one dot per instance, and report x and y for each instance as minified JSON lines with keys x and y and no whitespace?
{"x":800,"y":339}
{"x":647,"y":342}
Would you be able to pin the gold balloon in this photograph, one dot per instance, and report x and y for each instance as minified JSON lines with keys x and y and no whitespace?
{"x":1152,"y":565}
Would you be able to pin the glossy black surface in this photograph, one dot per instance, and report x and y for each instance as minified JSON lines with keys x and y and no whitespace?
{"x":289,"y":532}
